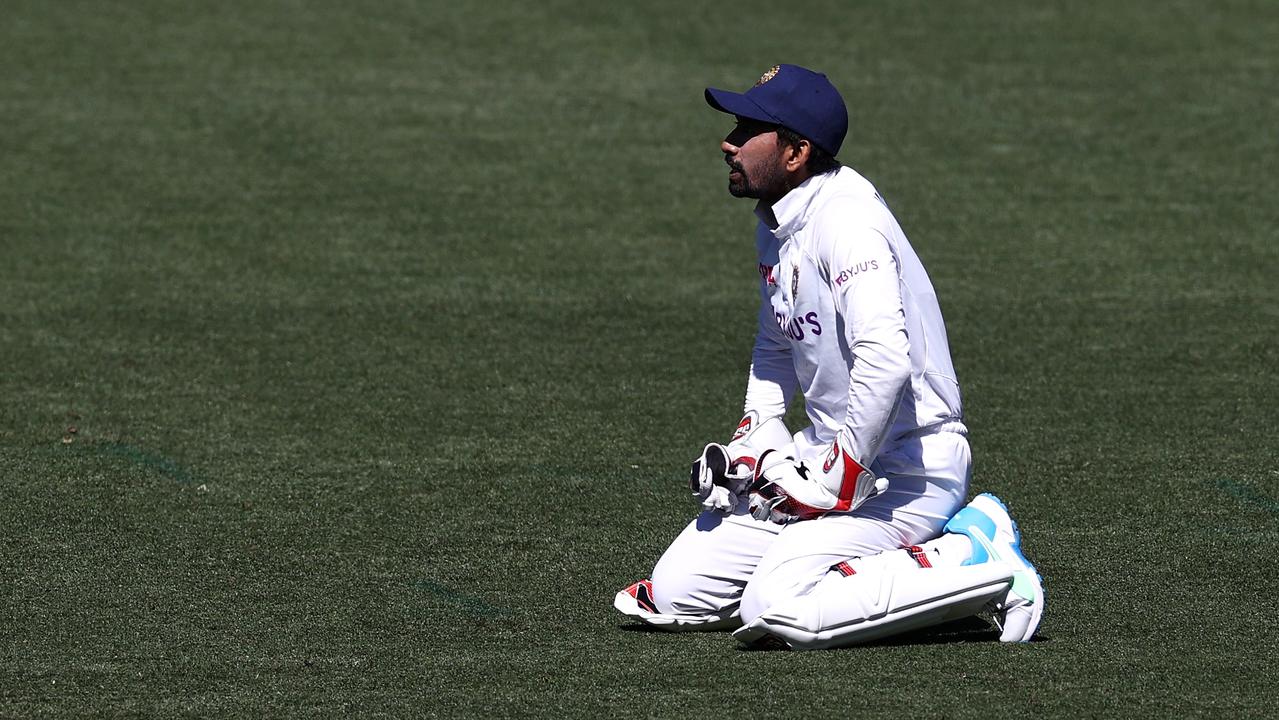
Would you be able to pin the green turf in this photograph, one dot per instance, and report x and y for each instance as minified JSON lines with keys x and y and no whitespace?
{"x":387,"y":332}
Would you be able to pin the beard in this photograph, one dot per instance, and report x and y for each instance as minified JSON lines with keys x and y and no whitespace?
{"x":767,"y":184}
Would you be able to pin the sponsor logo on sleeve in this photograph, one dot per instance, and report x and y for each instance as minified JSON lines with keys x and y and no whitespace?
{"x":854,"y":270}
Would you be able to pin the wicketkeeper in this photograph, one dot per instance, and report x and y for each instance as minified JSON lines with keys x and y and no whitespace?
{"x":855,"y":526}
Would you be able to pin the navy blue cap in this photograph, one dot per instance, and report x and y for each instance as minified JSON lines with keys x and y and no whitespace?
{"x":795,"y":98}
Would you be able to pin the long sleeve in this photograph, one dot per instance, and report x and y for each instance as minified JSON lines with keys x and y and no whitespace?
{"x":772,"y":381}
{"x":867,"y":294}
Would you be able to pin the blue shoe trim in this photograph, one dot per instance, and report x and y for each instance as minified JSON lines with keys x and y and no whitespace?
{"x":968,"y":521}
{"x":1002,"y":506}
{"x":1016,"y":532}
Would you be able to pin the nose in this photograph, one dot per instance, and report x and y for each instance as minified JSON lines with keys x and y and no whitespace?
{"x":734,"y":140}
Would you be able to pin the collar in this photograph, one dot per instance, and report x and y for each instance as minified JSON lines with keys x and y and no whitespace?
{"x":789,"y":215}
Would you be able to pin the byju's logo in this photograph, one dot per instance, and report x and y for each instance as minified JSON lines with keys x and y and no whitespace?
{"x":853,"y":271}
{"x":793,"y":328}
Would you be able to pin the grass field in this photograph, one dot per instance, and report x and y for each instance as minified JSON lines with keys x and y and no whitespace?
{"x":352,"y":355}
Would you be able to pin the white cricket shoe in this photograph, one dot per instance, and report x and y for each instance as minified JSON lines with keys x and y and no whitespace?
{"x":637,"y":602}
{"x":996,"y":538}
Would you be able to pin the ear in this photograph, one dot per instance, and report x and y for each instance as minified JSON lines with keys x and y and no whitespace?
{"x":799,"y":156}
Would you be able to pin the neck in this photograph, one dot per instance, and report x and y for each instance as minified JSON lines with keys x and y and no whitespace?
{"x":765,"y":212}
{"x":789,"y":182}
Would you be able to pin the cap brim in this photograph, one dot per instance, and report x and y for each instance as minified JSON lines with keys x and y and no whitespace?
{"x":737,"y":104}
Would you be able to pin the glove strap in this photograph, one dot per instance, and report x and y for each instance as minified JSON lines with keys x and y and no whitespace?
{"x":853,"y":473}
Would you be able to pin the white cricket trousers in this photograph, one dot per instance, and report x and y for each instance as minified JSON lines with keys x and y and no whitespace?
{"x":720,"y":561}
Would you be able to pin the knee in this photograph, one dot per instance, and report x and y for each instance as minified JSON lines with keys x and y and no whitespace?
{"x":671,"y":587}
{"x":763,"y":591}
{"x":704,"y":569}
{"x":775,"y":584}
{"x":754,"y":600}
{"x":687,"y":580}
{"x":680,"y":589}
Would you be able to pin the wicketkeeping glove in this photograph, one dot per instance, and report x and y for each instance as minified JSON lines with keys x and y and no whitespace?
{"x":722,"y":474}
{"x":717,"y":481}
{"x":784,"y":491}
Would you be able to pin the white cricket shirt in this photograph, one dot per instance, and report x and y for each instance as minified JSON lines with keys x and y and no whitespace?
{"x":849,"y":318}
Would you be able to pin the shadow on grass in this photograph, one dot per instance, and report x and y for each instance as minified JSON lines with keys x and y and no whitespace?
{"x":965,"y":630}
{"x":470,"y":604}
{"x":639,"y":627}
{"x":970,"y":629}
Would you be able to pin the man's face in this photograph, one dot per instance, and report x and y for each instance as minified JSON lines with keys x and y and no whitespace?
{"x":754,"y":157}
